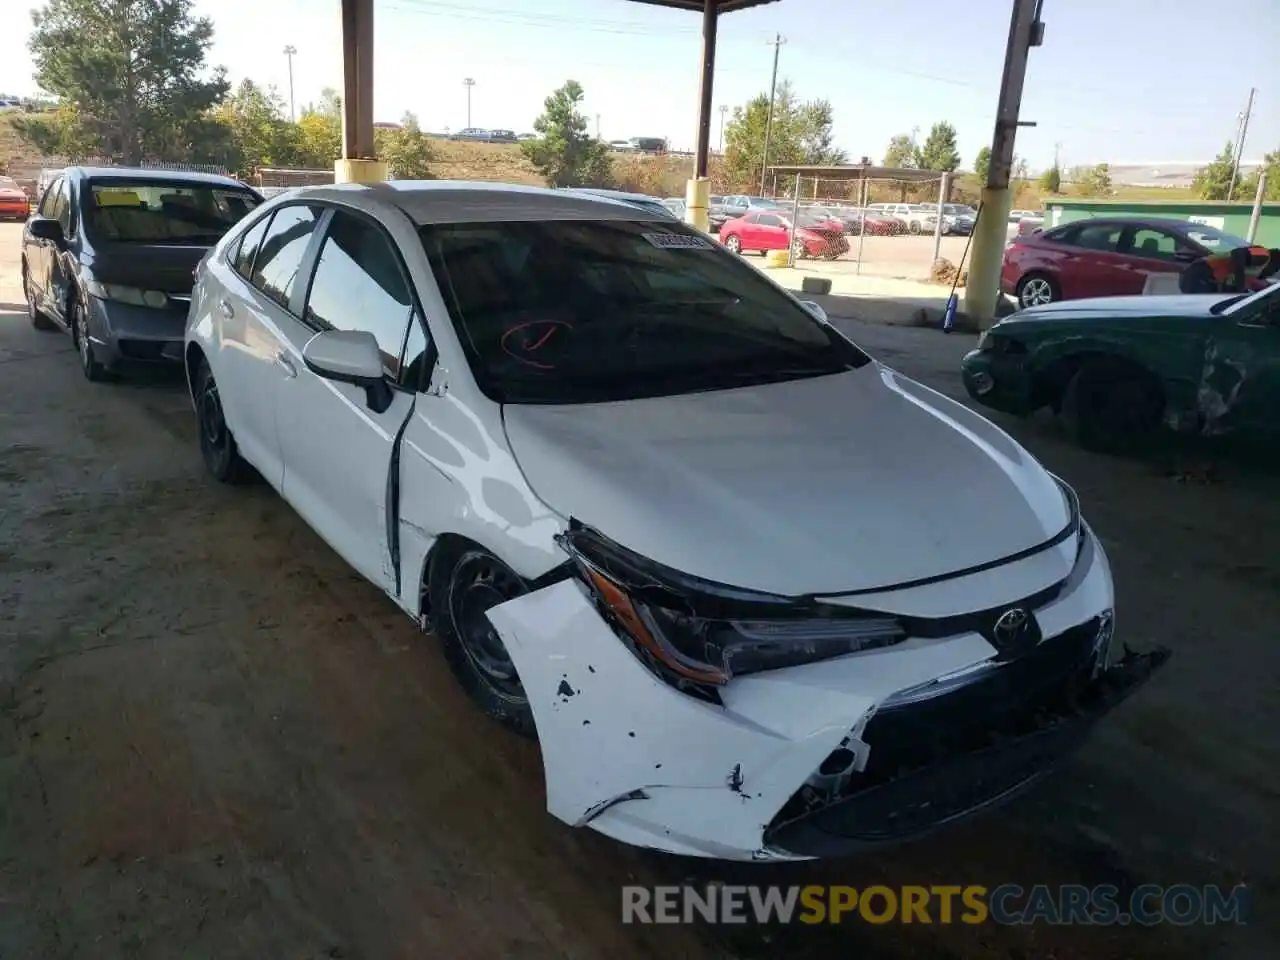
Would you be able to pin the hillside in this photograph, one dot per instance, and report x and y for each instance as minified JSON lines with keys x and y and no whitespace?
{"x":656,"y":176}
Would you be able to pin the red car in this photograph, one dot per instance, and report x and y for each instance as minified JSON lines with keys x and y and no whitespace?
{"x":13,"y":200}
{"x":762,"y":231}
{"x":1104,"y":257}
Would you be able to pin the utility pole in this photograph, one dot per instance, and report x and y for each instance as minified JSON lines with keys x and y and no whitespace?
{"x":1244,"y":132}
{"x":983,"y":289}
{"x":723,"y":110}
{"x":289,"y":51}
{"x":777,"y":42}
{"x":468,"y":83}
{"x":597,"y":126}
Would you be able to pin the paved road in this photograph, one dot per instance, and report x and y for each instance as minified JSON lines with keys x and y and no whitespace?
{"x":215,"y":741}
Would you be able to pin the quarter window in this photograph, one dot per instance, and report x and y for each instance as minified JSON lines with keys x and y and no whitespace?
{"x":275,"y":269}
{"x":360,"y":285}
{"x":242,"y":262}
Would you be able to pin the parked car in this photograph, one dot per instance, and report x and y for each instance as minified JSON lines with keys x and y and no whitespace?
{"x":1018,"y":216}
{"x":762,"y":231}
{"x":649,"y":144}
{"x":527,"y":136}
{"x":472,"y":133}
{"x":677,"y":207}
{"x":502,"y":136}
{"x":652,"y":204}
{"x":14,"y":202}
{"x":1103,"y":257}
{"x":737,"y":205}
{"x":900,"y":212}
{"x":109,"y":256}
{"x":622,"y":146}
{"x":659,"y":514}
{"x":717,"y":213}
{"x":1117,"y":368}
{"x":957,"y":219}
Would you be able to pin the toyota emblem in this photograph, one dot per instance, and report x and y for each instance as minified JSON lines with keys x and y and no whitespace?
{"x":1011,"y":627}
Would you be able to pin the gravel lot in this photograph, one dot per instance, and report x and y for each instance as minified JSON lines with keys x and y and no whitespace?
{"x":215,"y":741}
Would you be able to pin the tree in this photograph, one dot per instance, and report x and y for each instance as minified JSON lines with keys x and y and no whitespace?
{"x":260,"y":135}
{"x":131,"y":73}
{"x":939,"y":151}
{"x":407,"y":151}
{"x":800,"y":133}
{"x":1051,"y":180}
{"x":564,"y":153}
{"x":901,"y":153}
{"x":1271,"y":166}
{"x":1020,"y":169}
{"x":1095,"y":181}
{"x":1212,"y":182}
{"x":982,"y":163}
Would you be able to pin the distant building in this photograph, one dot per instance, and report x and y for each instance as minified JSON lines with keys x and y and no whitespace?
{"x":1169,"y":173}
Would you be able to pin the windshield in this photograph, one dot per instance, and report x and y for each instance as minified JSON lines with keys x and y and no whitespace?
{"x":1215,"y":239}
{"x":957,"y":210}
{"x":138,"y":211}
{"x":587,"y":311}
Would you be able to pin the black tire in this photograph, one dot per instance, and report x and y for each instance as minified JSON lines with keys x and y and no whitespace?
{"x":733,"y":244}
{"x":37,"y":318}
{"x":798,"y":249}
{"x":466,"y":582}
{"x":217,"y":445}
{"x":915,"y":227}
{"x":93,"y":370}
{"x":1111,"y":406}
{"x":1034,"y":287}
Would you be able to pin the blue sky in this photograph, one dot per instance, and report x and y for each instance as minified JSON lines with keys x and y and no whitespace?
{"x":1121,"y":81}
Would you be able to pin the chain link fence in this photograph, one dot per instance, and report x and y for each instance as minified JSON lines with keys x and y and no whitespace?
{"x":883,"y":226}
{"x":273,"y":180}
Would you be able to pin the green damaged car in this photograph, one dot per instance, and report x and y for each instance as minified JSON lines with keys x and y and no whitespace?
{"x":1116,"y":369}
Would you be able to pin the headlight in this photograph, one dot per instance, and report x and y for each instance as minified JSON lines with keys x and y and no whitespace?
{"x":122,"y":294}
{"x":690,"y":632}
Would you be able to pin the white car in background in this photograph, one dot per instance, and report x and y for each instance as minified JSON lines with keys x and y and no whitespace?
{"x":756,"y":595}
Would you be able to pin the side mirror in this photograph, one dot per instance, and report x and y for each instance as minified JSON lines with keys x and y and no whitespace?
{"x":816,"y":309}
{"x":350,"y":356}
{"x":45,"y":228}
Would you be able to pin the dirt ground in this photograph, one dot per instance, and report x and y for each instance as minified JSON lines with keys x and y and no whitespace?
{"x":217,"y":742}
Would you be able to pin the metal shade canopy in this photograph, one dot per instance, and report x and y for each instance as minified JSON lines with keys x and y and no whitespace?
{"x":722,"y":6}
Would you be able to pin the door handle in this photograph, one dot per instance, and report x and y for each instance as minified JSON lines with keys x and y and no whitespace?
{"x":285,"y":362}
{"x":225,"y":308}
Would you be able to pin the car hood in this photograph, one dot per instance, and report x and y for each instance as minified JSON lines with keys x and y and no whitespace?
{"x":165,"y":267}
{"x":1172,"y":305}
{"x":847,"y":482}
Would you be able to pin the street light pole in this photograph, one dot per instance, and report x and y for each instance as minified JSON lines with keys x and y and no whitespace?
{"x":723,"y":110}
{"x":468,"y":83}
{"x":1244,"y":132}
{"x":289,"y":51}
{"x":777,"y":42}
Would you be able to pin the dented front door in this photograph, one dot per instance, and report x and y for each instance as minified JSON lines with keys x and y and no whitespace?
{"x":1240,"y":387}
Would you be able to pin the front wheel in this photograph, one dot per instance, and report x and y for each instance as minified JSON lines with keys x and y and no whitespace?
{"x":1111,"y":406}
{"x":733,"y":244}
{"x":798,"y":250}
{"x":915,"y":227}
{"x":93,"y":370}
{"x":37,"y":318}
{"x":464,"y":586}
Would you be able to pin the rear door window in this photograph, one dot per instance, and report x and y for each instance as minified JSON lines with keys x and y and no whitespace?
{"x":1152,"y":244}
{"x":1102,"y":237}
{"x":275,"y":268}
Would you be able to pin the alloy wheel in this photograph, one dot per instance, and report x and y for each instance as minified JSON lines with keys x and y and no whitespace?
{"x":1036,"y":291}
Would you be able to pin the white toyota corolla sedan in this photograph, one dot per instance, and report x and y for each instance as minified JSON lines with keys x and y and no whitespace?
{"x":757,"y":595}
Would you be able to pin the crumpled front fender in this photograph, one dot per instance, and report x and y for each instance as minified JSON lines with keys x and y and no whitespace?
{"x":634,"y":758}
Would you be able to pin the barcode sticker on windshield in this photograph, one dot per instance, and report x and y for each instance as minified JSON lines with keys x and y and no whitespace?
{"x":677,"y":241}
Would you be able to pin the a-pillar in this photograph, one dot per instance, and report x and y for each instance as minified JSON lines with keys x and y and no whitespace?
{"x":698,"y":191}
{"x":359,"y":162}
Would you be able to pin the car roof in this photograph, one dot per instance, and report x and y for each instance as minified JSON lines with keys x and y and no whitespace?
{"x":146,"y":173}
{"x":465,"y":201}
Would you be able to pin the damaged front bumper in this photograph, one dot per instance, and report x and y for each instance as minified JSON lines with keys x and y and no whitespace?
{"x":813,"y":760}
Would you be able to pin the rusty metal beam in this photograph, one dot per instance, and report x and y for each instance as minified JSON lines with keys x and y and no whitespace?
{"x":710,"y":16}
{"x":357,"y":80}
